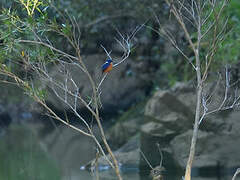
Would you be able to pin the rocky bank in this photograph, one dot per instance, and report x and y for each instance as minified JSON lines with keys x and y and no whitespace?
{"x":168,"y":119}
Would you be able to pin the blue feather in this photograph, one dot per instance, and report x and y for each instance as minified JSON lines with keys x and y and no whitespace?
{"x":106,"y":64}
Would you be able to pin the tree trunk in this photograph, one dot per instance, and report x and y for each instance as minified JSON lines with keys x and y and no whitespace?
{"x":197,"y":117}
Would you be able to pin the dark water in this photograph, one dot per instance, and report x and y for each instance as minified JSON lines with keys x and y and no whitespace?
{"x":59,"y":155}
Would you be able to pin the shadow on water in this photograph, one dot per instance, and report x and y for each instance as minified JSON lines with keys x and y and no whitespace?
{"x":23,"y":156}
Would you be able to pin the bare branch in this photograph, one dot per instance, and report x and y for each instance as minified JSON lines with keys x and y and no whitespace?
{"x":182,"y":24}
{"x":232,"y":102}
{"x":236,"y":173}
{"x":125,"y":43}
{"x":143,"y":155}
{"x":167,"y":34}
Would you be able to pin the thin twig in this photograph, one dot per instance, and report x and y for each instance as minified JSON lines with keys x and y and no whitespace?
{"x":236,"y":173}
{"x":145,"y":158}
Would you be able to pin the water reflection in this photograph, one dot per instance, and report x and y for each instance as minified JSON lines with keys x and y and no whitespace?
{"x":25,"y":154}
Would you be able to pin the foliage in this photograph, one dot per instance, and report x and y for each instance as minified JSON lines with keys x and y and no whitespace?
{"x":32,"y":5}
{"x":229,"y":51}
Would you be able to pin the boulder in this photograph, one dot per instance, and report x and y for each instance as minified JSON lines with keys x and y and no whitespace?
{"x":166,"y":109}
{"x":157,"y":131}
{"x":154,"y":133}
{"x":185,"y":93}
{"x":212,"y":150}
{"x":119,"y":134}
{"x":180,"y":146}
{"x":170,"y":120}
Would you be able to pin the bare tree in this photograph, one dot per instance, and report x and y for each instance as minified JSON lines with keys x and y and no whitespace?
{"x":203,"y":18}
{"x":67,"y":90}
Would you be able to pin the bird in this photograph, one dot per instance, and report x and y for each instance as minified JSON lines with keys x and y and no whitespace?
{"x":107,"y":66}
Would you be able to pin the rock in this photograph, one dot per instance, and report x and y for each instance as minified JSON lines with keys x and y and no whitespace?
{"x":186,"y":94}
{"x":128,"y":154}
{"x":128,"y":157}
{"x":167,"y":117}
{"x":170,"y":115}
{"x":168,"y":110}
{"x":153,"y":133}
{"x":231,"y":124}
{"x":182,"y":87}
{"x":119,"y":134}
{"x":181,"y":145}
{"x":158,"y":131}
{"x":163,"y":102}
{"x":127,"y":125}
{"x":211,"y":151}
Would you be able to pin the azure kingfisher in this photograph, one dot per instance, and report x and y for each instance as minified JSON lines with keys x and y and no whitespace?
{"x":107,"y":66}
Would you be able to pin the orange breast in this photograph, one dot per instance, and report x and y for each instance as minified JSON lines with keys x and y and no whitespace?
{"x":109,"y":68}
